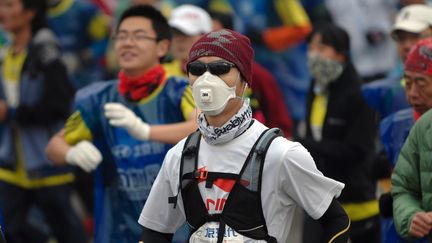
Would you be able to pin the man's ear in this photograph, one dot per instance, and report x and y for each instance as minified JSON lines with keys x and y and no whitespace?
{"x":163,"y":47}
{"x":244,"y":85}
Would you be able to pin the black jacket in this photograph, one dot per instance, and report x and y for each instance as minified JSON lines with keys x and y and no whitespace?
{"x":45,"y":101}
{"x":48,"y":93}
{"x":347,"y":148}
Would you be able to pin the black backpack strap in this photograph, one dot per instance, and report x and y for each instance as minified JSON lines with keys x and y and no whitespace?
{"x":221,"y":231}
{"x":253,"y":171}
{"x":261,"y":149}
{"x":188,"y":162}
{"x":260,"y":154}
{"x":256,"y":158}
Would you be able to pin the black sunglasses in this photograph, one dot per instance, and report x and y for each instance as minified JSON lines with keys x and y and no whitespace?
{"x":197,"y":68}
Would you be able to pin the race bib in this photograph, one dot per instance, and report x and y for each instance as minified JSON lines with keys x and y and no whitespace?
{"x":208,"y":234}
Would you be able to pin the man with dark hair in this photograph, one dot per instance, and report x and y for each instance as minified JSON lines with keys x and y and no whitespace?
{"x":159,"y":23}
{"x":129,"y":124}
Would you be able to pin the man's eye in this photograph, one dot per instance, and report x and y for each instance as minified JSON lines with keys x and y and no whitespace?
{"x":140,"y":37}
{"x":121,"y":37}
{"x":421,"y":83}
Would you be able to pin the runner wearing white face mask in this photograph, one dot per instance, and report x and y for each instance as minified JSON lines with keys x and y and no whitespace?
{"x":243,"y":182}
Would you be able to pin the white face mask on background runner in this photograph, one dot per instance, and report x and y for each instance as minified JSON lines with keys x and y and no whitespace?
{"x":211,"y":93}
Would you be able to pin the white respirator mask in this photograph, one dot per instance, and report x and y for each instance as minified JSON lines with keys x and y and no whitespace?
{"x":211,"y":93}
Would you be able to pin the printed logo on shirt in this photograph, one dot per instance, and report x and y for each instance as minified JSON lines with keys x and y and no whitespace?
{"x":208,"y":233}
{"x":137,"y":182}
{"x":123,"y":151}
{"x":213,"y":205}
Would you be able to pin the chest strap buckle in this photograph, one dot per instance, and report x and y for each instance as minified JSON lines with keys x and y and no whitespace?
{"x":201,"y":174}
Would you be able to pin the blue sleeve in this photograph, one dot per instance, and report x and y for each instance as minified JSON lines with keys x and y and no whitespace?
{"x":385,"y":96}
{"x":394,"y":130}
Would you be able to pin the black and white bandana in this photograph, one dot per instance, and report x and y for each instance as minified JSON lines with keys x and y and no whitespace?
{"x":230,"y":130}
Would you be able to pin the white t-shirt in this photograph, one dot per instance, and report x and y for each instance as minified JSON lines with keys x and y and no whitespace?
{"x":290,"y":180}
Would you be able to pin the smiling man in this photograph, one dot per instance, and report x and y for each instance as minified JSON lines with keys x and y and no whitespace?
{"x":128,"y":125}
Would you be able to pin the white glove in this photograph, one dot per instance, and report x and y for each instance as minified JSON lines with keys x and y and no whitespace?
{"x":120,"y":116}
{"x":85,"y":155}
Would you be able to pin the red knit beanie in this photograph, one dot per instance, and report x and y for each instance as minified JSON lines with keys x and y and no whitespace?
{"x":229,"y":45}
{"x":420,"y":57}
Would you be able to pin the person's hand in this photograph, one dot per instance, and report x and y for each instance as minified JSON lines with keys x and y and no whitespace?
{"x":421,"y":224}
{"x":3,"y":110}
{"x":85,"y":155}
{"x":120,"y":116}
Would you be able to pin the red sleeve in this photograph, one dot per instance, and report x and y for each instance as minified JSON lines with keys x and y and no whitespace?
{"x":269,"y":96}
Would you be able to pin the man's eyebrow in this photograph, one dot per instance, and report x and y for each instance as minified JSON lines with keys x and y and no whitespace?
{"x":420,"y":79}
{"x":133,"y":31}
